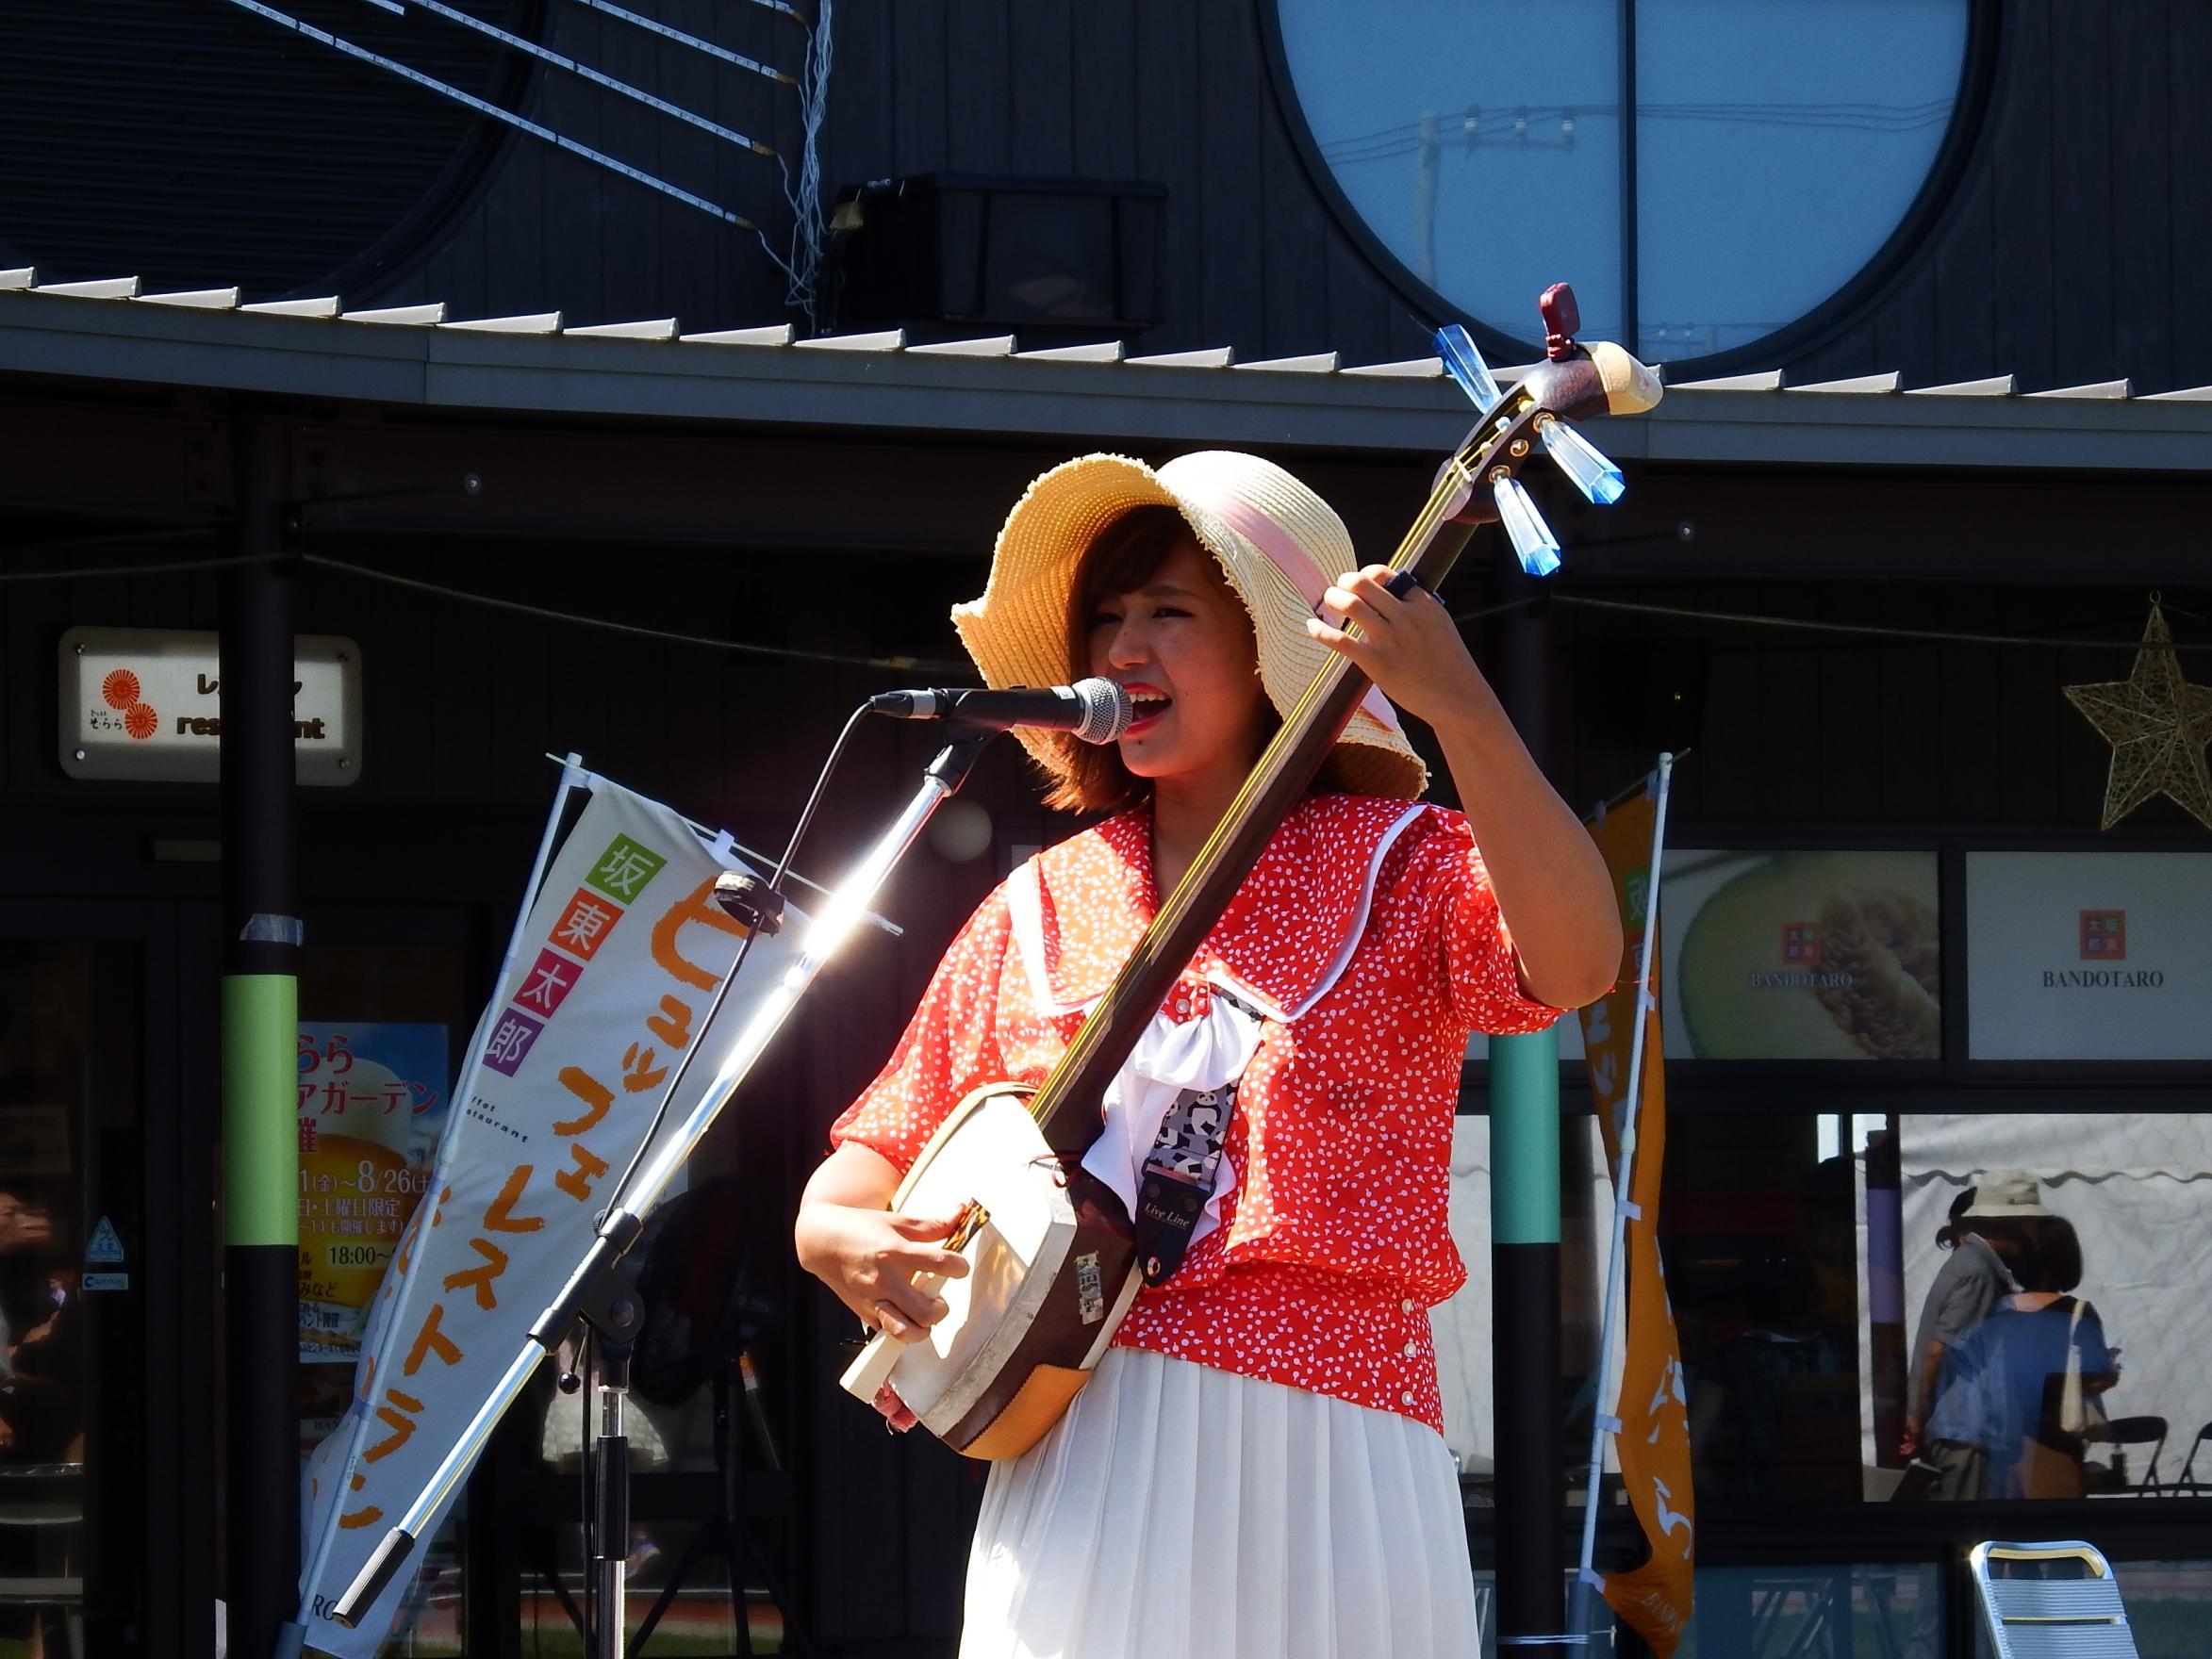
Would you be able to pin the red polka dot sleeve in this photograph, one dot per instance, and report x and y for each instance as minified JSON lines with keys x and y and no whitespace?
{"x":950,"y":1048}
{"x":1448,"y":884}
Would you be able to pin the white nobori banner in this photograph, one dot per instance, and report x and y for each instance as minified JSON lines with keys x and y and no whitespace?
{"x":605,"y":990}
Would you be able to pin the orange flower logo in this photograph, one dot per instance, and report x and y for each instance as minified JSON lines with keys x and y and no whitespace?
{"x":120,"y":689}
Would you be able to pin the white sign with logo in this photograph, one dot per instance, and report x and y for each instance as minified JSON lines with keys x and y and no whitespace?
{"x":1830,"y":954}
{"x":2088,"y":955}
{"x":146,"y":703}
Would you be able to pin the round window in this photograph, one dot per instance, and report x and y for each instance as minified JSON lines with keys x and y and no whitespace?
{"x":1775,"y":150}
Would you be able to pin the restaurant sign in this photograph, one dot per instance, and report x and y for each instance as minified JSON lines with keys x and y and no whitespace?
{"x":1806,"y":955}
{"x":2088,"y":955}
{"x":146,"y":703}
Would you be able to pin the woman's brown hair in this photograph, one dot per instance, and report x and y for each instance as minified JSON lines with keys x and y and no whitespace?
{"x":1120,"y":559}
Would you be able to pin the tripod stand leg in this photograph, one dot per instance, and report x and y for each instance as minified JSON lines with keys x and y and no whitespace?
{"x":667,"y":1595}
{"x":548,"y":1570}
{"x":739,"y":1549}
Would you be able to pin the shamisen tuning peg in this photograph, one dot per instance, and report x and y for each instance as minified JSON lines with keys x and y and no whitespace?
{"x":1532,"y":416}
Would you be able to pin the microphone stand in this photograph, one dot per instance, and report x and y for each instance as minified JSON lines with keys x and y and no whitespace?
{"x":598,"y":1292}
{"x":729,"y":1527}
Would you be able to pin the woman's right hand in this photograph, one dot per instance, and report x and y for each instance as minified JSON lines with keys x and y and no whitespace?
{"x":870,"y":1258}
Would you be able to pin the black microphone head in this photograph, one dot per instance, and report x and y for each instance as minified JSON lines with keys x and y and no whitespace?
{"x":1107,"y":710}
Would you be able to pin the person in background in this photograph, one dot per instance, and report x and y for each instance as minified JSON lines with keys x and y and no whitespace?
{"x":42,"y":1397}
{"x":1966,"y":1288}
{"x":41,"y":1401}
{"x":2011,"y":1372}
{"x":1774,"y":1409}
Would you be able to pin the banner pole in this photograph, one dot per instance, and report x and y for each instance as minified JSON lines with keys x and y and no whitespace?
{"x":1585,"y":1580}
{"x":574,"y":777}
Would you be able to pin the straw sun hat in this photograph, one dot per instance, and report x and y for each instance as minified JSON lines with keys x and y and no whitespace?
{"x":1278,"y":542}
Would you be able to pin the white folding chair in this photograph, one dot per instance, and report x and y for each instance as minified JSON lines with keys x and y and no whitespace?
{"x":2071,"y":1618}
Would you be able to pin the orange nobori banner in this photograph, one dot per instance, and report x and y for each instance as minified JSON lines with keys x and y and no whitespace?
{"x":1652,"y":1441}
{"x":606,"y":988}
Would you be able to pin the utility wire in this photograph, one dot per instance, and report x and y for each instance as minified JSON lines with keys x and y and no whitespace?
{"x":1503,"y":123}
{"x":161,"y":569}
{"x":743,"y":648}
{"x":902,"y":665}
{"x":788,"y":653}
{"x":1921,"y":635}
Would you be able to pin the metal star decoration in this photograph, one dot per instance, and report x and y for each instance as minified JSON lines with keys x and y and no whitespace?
{"x":2158,"y":725}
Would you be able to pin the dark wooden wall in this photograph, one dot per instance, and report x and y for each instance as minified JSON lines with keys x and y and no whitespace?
{"x":2071,"y":249}
{"x":1790,"y":728}
{"x":2064,"y":251}
{"x":1841,"y":735}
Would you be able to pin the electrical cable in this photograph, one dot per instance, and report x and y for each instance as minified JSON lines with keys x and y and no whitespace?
{"x":928,"y":665}
{"x":789,"y":654}
{"x":1920,"y":635}
{"x":1464,"y":127}
{"x":821,"y":786}
{"x":168,"y":567}
{"x":667,"y":1095}
{"x":809,"y":229}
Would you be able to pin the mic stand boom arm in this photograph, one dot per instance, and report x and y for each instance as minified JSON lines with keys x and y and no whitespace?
{"x":596,"y":1291}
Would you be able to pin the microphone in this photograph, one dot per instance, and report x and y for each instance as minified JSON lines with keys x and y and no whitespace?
{"x":1096,"y":710}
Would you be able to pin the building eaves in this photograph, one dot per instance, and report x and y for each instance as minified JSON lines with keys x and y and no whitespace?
{"x":416,"y":356}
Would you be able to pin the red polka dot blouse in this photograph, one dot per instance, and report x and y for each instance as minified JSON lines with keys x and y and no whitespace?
{"x":1369,"y":937}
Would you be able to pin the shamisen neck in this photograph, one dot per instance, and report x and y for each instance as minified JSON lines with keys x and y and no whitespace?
{"x":1067,"y":1104}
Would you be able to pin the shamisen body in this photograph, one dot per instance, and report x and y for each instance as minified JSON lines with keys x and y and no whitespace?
{"x":1254,"y":1466}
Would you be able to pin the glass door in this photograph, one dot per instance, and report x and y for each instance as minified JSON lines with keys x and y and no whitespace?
{"x":102,"y":1365}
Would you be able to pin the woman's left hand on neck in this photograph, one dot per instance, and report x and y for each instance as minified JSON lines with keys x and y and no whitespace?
{"x":1552,"y":884}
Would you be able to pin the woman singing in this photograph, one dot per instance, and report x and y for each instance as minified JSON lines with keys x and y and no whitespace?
{"x":1257,"y":1466}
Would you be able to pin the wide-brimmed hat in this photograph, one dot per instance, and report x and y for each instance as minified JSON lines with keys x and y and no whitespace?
{"x":2003,"y":1192}
{"x":1279,"y":543}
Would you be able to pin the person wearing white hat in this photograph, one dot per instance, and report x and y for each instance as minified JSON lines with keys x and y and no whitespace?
{"x":1255,"y":1467}
{"x":2006,"y":1194}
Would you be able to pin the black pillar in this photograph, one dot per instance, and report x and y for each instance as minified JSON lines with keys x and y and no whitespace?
{"x":1524,"y":1256}
{"x":260,"y":1146}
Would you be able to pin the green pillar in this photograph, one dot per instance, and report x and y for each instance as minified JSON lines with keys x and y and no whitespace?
{"x":1524,"y":1335}
{"x":1525,"y":1138}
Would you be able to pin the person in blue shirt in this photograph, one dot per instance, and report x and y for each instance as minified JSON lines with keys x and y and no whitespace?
{"x":1986,"y":1234}
{"x":2002,"y":1386}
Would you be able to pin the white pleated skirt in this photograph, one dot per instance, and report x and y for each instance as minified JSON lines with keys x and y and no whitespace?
{"x":1179,"y":1511}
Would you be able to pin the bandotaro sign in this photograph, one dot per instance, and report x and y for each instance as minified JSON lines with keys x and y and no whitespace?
{"x":146,"y":703}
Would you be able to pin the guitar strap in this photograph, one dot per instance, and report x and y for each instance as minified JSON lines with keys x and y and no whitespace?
{"x":1181,"y":1169}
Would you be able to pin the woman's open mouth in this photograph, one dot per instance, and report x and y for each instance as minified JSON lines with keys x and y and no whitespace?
{"x":1148,"y":706}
